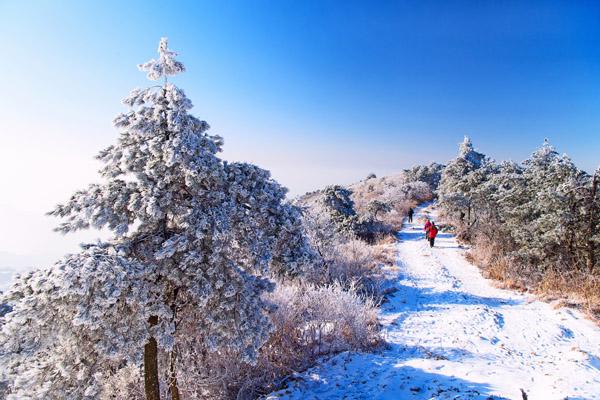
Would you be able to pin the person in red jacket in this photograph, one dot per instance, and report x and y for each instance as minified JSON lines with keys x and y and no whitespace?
{"x":433,"y":231}
{"x":426,"y":228}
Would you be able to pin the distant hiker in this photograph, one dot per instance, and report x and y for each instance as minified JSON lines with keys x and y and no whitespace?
{"x":433,"y":231}
{"x":411,"y":212}
{"x":426,"y":228}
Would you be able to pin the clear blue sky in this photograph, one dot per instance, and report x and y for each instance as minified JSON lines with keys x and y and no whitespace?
{"x":316,"y":91}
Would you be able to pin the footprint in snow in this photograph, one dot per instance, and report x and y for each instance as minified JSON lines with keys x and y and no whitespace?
{"x":566,"y":333}
{"x":499,"y":320}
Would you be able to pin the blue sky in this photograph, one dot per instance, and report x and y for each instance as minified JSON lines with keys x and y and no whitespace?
{"x":318,"y":92}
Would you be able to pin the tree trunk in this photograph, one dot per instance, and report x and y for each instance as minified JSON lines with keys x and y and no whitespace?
{"x":173,"y":376}
{"x":151,"y":382}
{"x":173,"y":389}
{"x":571,"y":237}
{"x":591,"y":246}
{"x":469,"y":215}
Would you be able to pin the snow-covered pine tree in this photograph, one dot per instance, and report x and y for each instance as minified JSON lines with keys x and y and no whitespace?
{"x":493,"y":198}
{"x":590,"y":199}
{"x":460,"y":177}
{"x":194,"y":236}
{"x":466,"y":151}
{"x":340,"y":207}
{"x":430,"y":174}
{"x":547,"y":221}
{"x":377,"y":206}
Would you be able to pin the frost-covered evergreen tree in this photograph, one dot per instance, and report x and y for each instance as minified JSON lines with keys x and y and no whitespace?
{"x":546,"y":221}
{"x":340,"y":208}
{"x":376,"y":207}
{"x":590,"y":205}
{"x":194,"y":238}
{"x":460,"y":177}
{"x":430,"y":174}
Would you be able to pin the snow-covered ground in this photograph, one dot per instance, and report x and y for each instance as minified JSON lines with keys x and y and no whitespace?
{"x":452,"y":335}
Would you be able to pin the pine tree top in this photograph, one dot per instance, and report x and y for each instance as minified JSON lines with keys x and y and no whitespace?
{"x":165,"y":66}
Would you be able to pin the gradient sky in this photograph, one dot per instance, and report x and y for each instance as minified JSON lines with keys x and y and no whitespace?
{"x":318,"y":92}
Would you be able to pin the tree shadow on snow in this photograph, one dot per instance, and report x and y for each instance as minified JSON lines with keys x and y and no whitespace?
{"x":441,"y":246}
{"x":385,"y":376}
{"x":409,"y":299}
{"x":415,"y":234}
{"x":406,"y":297}
{"x":404,"y":352}
{"x":416,"y":383}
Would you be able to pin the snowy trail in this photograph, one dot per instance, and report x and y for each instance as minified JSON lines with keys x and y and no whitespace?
{"x":452,"y":335}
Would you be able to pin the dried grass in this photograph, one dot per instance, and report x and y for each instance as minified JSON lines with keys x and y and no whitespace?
{"x":578,"y":288}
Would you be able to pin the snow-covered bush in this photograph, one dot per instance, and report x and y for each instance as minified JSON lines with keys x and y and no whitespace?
{"x":378,"y":207}
{"x":195,"y":239}
{"x":345,"y":258}
{"x":339,"y":206}
{"x":327,"y":318}
{"x":429,"y":174}
{"x":309,"y":322}
{"x":353,"y":264}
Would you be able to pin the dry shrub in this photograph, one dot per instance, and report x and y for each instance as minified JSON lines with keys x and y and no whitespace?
{"x":576,"y":288}
{"x":309,"y":322}
{"x":387,"y":239}
{"x":354,"y":264}
{"x":485,"y":257}
{"x":395,"y":219}
{"x":384,"y":252}
{"x":402,"y":206}
{"x":488,"y":257}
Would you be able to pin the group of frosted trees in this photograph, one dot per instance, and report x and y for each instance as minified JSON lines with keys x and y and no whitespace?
{"x":195,"y":242}
{"x":429,"y":174}
{"x":349,"y":226}
{"x":539,"y":217}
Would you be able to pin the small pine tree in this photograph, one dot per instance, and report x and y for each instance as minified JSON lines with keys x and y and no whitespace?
{"x":463,"y":174}
{"x":376,"y":207}
{"x":340,"y":207}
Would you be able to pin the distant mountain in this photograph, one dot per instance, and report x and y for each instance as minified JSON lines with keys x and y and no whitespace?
{"x":12,"y":264}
